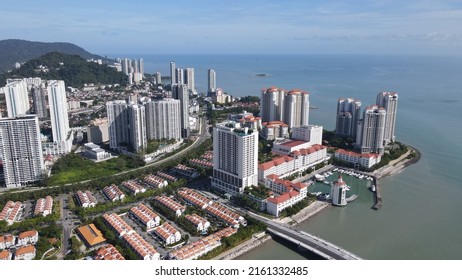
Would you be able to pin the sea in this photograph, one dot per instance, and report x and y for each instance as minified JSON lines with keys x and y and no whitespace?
{"x":421,"y":217}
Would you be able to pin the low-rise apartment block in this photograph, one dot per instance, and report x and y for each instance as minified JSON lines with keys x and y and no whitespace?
{"x":113,"y":193}
{"x":145,"y":215}
{"x":7,"y":241}
{"x":185,"y":171}
{"x":5,"y":255}
{"x":44,"y":206}
{"x":289,"y":194}
{"x":364,"y":160}
{"x":25,"y":253}
{"x":194,"y":198}
{"x":297,"y":161}
{"x":170,"y":204}
{"x":166,"y":176}
{"x":86,"y":199}
{"x":108,"y":253}
{"x":202,"y":246}
{"x":133,"y":187}
{"x":141,"y":247}
{"x":167,"y":233}
{"x":27,"y":237}
{"x":200,"y":223}
{"x":11,"y":212}
{"x":91,"y":235}
{"x":155,"y":181}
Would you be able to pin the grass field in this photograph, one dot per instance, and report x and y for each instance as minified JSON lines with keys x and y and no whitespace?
{"x":73,"y":168}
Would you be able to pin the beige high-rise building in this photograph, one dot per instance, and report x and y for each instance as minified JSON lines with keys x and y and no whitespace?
{"x":272,"y":104}
{"x":57,"y":100}
{"x":98,"y":131}
{"x":235,"y":161}
{"x":296,"y":108}
{"x":389,"y":101}
{"x":372,"y":129}
{"x":348,"y":114}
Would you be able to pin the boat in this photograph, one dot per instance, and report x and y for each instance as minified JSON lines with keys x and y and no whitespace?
{"x":326,"y":182}
{"x":335,"y":169}
{"x":373,"y":188}
{"x":319,"y":177}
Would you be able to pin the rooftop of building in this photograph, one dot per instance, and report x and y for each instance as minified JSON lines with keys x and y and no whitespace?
{"x":91,"y":235}
{"x":350,"y":153}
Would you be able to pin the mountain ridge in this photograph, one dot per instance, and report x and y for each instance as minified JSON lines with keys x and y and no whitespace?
{"x":18,"y":50}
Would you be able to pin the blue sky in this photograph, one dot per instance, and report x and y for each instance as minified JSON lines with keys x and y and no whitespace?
{"x":250,"y":26}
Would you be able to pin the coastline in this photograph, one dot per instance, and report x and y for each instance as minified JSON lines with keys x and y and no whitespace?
{"x":394,"y":167}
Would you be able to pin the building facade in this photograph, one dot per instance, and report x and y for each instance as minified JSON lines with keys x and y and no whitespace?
{"x":236,"y":160}
{"x":117,"y":115}
{"x":370,"y":138}
{"x":389,"y":101}
{"x":57,"y":100}
{"x":21,"y":151}
{"x":180,"y":92}
{"x":296,"y":108}
{"x":17,"y":99}
{"x":338,"y":192}
{"x":137,"y":134}
{"x":348,"y":114}
{"x":163,"y":119}
{"x":212,"y":80}
{"x":39,"y":102}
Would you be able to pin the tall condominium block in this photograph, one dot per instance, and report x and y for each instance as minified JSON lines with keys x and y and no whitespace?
{"x":179,"y":76}
{"x":39,"y":102}
{"x":126,"y":63}
{"x":137,"y":119}
{"x":389,"y":101}
{"x":235,"y":157}
{"x":158,"y":78}
{"x":117,"y":115}
{"x":141,"y":67}
{"x":180,"y":92}
{"x":272,"y":104}
{"x":21,"y":150}
{"x":348,"y":114}
{"x":172,"y":73}
{"x":189,"y":79}
{"x":163,"y":119}
{"x":58,"y":113}
{"x":372,"y":128}
{"x":296,"y":108}
{"x":17,"y":99}
{"x":212,"y":80}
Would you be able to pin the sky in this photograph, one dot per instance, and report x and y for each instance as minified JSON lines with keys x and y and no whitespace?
{"x":241,"y":26}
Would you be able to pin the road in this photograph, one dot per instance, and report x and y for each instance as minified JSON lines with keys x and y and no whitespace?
{"x":66,"y":222}
{"x":204,"y":135}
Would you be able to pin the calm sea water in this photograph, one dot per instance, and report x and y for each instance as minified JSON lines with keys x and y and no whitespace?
{"x":420,"y":218}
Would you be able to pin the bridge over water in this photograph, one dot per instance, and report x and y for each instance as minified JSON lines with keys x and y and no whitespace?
{"x":317,"y":245}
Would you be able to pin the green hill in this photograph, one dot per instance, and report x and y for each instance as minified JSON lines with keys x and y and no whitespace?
{"x":12,"y":51}
{"x":74,"y":70}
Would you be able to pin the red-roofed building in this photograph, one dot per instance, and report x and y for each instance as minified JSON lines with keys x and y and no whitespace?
{"x":273,"y":130}
{"x":285,"y":147}
{"x":364,"y":160}
{"x":25,"y":253}
{"x":113,"y":193}
{"x":133,"y":187}
{"x":200,"y":223}
{"x":202,"y":246}
{"x":155,"y":181}
{"x":86,"y":199}
{"x":11,"y":212}
{"x":108,"y":253}
{"x":27,"y":237}
{"x":7,"y":241}
{"x":290,"y":194}
{"x":44,"y":206}
{"x":5,"y":255}
{"x":145,"y":215}
{"x":171,"y":204}
{"x":167,"y":233}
